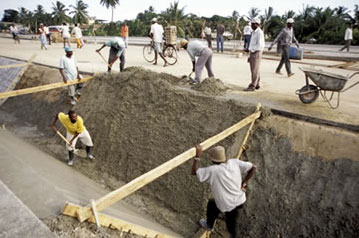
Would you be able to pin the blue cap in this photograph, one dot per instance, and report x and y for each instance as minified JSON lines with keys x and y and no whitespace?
{"x":68,"y":49}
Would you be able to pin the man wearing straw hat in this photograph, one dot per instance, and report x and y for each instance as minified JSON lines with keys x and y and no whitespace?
{"x":117,"y":50}
{"x":228,"y":180}
{"x":75,"y":129}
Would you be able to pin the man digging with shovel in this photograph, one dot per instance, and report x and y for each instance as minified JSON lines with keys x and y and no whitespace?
{"x":75,"y":129}
{"x":117,"y":50}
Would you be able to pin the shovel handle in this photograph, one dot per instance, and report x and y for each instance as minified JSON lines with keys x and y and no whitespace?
{"x":104,"y":59}
{"x":63,"y":137}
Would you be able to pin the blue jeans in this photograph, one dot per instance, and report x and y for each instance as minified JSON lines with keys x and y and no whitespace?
{"x":220,"y":38}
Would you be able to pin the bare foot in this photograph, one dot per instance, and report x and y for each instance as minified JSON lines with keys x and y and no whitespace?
{"x":165,"y":65}
{"x":155,"y":63}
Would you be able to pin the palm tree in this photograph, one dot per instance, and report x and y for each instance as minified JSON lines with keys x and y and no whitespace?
{"x":59,"y":13}
{"x":110,"y":3}
{"x":175,"y":16}
{"x":26,"y":17}
{"x":268,"y":13}
{"x":253,"y":12}
{"x":80,"y":12}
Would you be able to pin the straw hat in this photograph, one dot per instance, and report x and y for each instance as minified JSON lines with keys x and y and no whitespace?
{"x":217,"y":154}
{"x":183,"y":42}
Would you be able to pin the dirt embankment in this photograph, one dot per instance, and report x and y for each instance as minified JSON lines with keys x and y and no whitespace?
{"x":140,"y":119}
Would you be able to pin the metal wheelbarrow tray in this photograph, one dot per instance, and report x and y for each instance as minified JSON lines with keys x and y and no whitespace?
{"x":324,"y":82}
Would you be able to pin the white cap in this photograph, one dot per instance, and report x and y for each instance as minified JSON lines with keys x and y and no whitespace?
{"x":256,"y":20}
{"x":290,"y":20}
{"x":154,"y":19}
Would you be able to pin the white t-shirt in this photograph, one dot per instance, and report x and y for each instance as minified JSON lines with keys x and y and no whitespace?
{"x":65,"y":32}
{"x":207,"y":30}
{"x":247,"y":30}
{"x":77,"y":31}
{"x":348,"y":34}
{"x":69,"y":65}
{"x":46,"y":30}
{"x":157,"y":31}
{"x":225,"y":180}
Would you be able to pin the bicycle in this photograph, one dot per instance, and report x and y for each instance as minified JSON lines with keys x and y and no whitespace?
{"x":169,"y":51}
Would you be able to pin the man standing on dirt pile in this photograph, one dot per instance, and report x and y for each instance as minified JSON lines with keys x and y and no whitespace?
{"x":348,"y":37}
{"x":286,"y":37}
{"x":228,"y":187}
{"x":256,"y":46}
{"x":196,"y":48}
{"x":117,"y":50}
{"x":69,"y":72}
{"x":75,"y":129}
{"x":156,"y":33}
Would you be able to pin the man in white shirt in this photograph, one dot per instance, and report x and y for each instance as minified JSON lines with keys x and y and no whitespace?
{"x":247,"y":32}
{"x":208,"y":35}
{"x":15,"y":33}
{"x":69,"y":72}
{"x":348,"y":37}
{"x":78,"y":35}
{"x":117,"y":51}
{"x":65,"y":34}
{"x":195,"y":49}
{"x":228,"y":180}
{"x":255,"y":49}
{"x":48,"y":34}
{"x":156,"y":33}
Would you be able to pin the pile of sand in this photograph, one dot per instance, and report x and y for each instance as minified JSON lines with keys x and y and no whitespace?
{"x":211,"y":86}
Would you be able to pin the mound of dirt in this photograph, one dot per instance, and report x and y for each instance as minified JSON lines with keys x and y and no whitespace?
{"x":211,"y":86}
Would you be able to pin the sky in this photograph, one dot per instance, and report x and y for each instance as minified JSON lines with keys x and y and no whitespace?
{"x":128,"y":9}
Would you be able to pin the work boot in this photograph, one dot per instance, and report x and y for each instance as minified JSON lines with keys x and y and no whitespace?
{"x":89,"y":154}
{"x":278,"y":72}
{"x":290,"y":75}
{"x":249,"y":89}
{"x":203,"y":223}
{"x":70,"y":162}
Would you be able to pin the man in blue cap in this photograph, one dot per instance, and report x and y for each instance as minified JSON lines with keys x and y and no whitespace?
{"x":69,"y":71}
{"x":117,"y":50}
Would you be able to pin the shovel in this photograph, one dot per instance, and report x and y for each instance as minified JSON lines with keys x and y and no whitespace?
{"x":104,"y":60}
{"x":80,"y":153}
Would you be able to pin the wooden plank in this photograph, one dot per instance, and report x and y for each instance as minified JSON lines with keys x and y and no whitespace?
{"x":139,"y":182}
{"x":12,"y":66}
{"x":107,"y":221}
{"x":42,"y":88}
{"x":202,"y":233}
{"x":247,"y":134}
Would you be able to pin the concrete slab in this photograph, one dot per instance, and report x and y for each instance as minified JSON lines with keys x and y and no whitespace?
{"x":17,"y":220}
{"x":44,"y":183}
{"x":277,"y":91}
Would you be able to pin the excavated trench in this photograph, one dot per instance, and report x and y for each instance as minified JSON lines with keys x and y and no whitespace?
{"x":307,"y":182}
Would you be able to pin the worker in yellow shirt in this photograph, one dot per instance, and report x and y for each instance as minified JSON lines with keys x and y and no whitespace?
{"x":75,"y":129}
{"x":124,"y":33}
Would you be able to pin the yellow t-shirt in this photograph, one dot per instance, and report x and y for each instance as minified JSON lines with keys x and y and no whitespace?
{"x":72,"y":128}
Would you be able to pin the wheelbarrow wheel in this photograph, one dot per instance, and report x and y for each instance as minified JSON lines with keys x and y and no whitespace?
{"x":308,"y":94}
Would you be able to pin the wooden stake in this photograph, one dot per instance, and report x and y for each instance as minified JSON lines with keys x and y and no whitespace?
{"x":247,"y":134}
{"x":106,"y":221}
{"x":93,"y":206}
{"x":42,"y":88}
{"x":114,"y":196}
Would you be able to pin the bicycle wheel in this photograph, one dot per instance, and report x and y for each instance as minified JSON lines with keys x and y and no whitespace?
{"x":149,"y":53}
{"x":170,"y":53}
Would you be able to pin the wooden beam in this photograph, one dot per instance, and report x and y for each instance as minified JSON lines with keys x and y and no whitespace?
{"x":42,"y":88}
{"x":247,"y":134}
{"x":114,"y":196}
{"x":12,"y":66}
{"x":107,"y":221}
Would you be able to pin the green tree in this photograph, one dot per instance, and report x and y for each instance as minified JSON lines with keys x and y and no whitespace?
{"x":59,"y":13}
{"x":175,"y":16}
{"x":110,"y":3}
{"x":10,"y":15}
{"x":253,"y":12}
{"x":268,"y":13}
{"x":80,"y":12}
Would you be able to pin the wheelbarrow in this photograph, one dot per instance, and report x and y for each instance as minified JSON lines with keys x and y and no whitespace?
{"x":324,"y":82}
